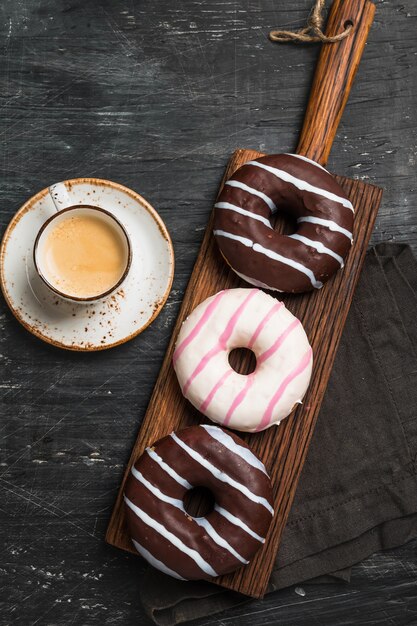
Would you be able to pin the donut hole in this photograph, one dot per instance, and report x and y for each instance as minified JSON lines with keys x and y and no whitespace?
{"x":199,"y":502}
{"x":284,"y":222}
{"x":242,"y":360}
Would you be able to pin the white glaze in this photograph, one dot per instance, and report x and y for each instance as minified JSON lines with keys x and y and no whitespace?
{"x":302,"y":184}
{"x":155,"y":562}
{"x":272,"y":255}
{"x":290,"y":262}
{"x":253,"y":192}
{"x":306,"y":159}
{"x":238,"y":522}
{"x":204,"y":523}
{"x":228,"y":442}
{"x":243,"y":240}
{"x":168,"y":469}
{"x":156,"y":491}
{"x":222,"y":476}
{"x":237,"y":209}
{"x":176,"y":541}
{"x":317,"y":245}
{"x":249,"y":318}
{"x":178,"y":504}
{"x":327,"y":224}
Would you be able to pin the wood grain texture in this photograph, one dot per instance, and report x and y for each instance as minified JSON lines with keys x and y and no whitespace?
{"x":283,"y":449}
{"x":334,"y":75}
{"x":157,"y":95}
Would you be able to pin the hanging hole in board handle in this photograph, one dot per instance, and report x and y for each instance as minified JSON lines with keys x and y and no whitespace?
{"x":348,"y":24}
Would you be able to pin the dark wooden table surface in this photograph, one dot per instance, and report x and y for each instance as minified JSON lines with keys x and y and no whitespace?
{"x":156,"y":95}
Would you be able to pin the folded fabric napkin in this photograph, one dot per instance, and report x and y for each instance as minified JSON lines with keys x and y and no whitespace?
{"x":358,"y":489}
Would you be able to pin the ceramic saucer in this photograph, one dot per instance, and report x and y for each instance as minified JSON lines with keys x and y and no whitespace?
{"x":111,"y":321}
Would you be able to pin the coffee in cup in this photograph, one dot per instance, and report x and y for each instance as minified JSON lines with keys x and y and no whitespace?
{"x":82,"y":253}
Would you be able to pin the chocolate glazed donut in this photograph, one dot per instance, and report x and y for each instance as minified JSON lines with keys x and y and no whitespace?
{"x":226,"y":538}
{"x":261,"y":256}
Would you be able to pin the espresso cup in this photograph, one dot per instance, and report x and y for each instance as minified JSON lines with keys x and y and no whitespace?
{"x":82,"y":252}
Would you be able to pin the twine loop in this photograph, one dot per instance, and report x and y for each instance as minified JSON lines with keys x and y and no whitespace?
{"x":311,"y":33}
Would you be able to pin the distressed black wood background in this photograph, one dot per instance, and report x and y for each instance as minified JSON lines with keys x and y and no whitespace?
{"x":156,"y":95}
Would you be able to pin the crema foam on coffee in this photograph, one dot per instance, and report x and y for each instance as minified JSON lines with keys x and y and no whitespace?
{"x":83,"y":256}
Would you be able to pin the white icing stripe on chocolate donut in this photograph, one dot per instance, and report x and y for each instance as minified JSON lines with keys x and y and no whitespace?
{"x":226,"y":514}
{"x":238,"y":522}
{"x":178,"y":504}
{"x":303,"y":158}
{"x":155,"y":562}
{"x":168,"y":469}
{"x":327,"y":224}
{"x":233,"y":207}
{"x":227,"y":441}
{"x":222,"y":476}
{"x":166,"y":534}
{"x":181,"y":481}
{"x":317,"y":245}
{"x":302,"y":184}
{"x":243,"y":240}
{"x":202,"y":521}
{"x":157,"y":492}
{"x":254,"y":192}
{"x":272,"y":255}
{"x":294,"y":264}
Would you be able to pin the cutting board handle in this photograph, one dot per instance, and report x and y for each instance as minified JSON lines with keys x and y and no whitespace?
{"x":336,"y":69}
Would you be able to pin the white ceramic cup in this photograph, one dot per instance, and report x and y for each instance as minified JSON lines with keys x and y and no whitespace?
{"x":64,"y":208}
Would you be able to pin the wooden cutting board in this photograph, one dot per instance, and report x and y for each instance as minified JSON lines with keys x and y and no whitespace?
{"x":323,"y":312}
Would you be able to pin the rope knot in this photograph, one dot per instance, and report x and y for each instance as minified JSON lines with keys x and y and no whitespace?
{"x":312,"y":32}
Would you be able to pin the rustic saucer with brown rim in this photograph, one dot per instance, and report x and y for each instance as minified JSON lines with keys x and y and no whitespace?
{"x":108,"y":322}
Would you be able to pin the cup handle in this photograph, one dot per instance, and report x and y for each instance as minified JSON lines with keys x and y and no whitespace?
{"x":60,"y":196}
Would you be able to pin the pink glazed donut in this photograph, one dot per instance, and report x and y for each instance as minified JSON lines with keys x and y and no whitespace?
{"x":243,"y":318}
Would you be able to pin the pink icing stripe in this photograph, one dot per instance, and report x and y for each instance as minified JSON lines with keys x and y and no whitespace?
{"x":201,"y":322}
{"x":264,"y":322}
{"x":265,"y":355}
{"x":214,"y":390}
{"x":201,"y":365}
{"x":266,"y":418}
{"x":221,"y":343}
{"x":238,"y":399}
